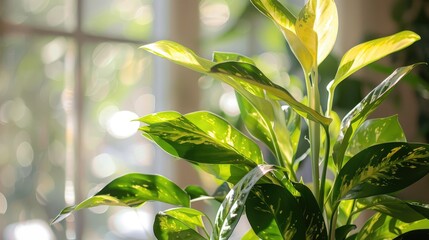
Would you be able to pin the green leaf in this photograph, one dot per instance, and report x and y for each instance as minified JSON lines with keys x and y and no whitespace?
{"x":274,"y":213}
{"x":286,"y":22}
{"x":250,"y":235}
{"x":203,"y":138}
{"x":342,"y":232}
{"x":361,"y":111}
{"x":195,"y":191}
{"x":232,"y":207}
{"x":250,"y":74}
{"x":221,"y":192}
{"x":371,"y":51}
{"x":179,"y":223}
{"x":415,"y":234}
{"x":132,"y":190}
{"x":376,"y":131}
{"x":381,"y":226}
{"x":228,"y":57}
{"x":275,"y":11}
{"x":311,"y":36}
{"x":382,"y":169}
{"x":405,"y":211}
{"x":317,"y":28}
{"x":311,"y":214}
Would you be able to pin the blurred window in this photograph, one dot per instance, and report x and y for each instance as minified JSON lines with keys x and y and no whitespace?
{"x":71,"y":80}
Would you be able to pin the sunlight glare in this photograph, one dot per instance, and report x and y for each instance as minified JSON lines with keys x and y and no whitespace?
{"x":120,"y":124}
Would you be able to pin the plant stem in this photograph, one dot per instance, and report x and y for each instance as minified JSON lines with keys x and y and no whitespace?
{"x":314,"y":129}
{"x":333,"y":223}
{"x":325,"y":168}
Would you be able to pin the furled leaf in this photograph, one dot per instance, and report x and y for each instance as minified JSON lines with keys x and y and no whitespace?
{"x":274,"y":213}
{"x":361,"y":111}
{"x":381,"y":226}
{"x":376,"y":131}
{"x":405,"y":211}
{"x":232,"y":207}
{"x":133,"y":190}
{"x":382,"y":169}
{"x":202,"y":138}
{"x":317,"y":28}
{"x":311,"y":214}
{"x":286,"y":22}
{"x":371,"y":51}
{"x":250,"y":74}
{"x":178,"y":223}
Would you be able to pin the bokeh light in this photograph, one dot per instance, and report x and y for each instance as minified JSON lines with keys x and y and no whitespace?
{"x":121,"y":124}
{"x":214,"y":13}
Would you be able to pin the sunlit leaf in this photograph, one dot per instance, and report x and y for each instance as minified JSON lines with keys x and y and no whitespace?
{"x":252,"y":92}
{"x":371,"y":51}
{"x":232,"y":207}
{"x":317,"y":28}
{"x":250,"y":235}
{"x":360,"y":112}
{"x":403,"y":210}
{"x":286,"y":22}
{"x":133,"y":190}
{"x":179,"y":223}
{"x":219,"y":57}
{"x":382,"y":169}
{"x":249,"y":74}
{"x":200,"y":137}
{"x":376,"y":131}
{"x":381,"y":226}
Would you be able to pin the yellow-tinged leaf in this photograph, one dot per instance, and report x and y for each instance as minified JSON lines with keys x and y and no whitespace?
{"x":317,"y":28}
{"x":371,"y":51}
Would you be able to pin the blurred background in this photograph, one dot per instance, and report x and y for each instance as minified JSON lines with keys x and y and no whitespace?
{"x":72,"y":77}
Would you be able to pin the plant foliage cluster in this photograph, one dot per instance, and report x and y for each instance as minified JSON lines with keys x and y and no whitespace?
{"x":370,"y":159}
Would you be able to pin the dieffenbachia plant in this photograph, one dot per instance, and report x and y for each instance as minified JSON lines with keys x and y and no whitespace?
{"x":369,"y":159}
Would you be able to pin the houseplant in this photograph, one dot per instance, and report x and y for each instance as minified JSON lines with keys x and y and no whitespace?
{"x":369,"y":159}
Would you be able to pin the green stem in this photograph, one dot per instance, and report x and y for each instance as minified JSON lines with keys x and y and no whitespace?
{"x":314,"y":129}
{"x":333,"y":223}
{"x":325,"y":168}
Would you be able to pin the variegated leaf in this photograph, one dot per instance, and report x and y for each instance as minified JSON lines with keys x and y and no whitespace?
{"x":232,"y":207}
{"x":358,"y":114}
{"x":381,"y":169}
{"x":274,"y":213}
{"x":179,"y":223}
{"x":132,"y":190}
{"x":381,"y":226}
{"x":403,"y":210}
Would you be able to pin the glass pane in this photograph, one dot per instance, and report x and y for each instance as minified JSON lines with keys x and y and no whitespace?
{"x":117,"y":90}
{"x":130,"y":19}
{"x":32,"y":139}
{"x":54,"y":14}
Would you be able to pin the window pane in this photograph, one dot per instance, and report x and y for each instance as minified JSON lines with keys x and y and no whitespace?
{"x":117,"y":90}
{"x":130,"y":19}
{"x":54,"y":14}
{"x":32,"y":139}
